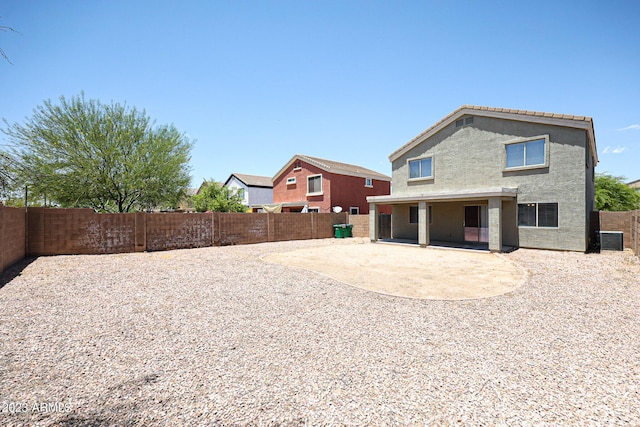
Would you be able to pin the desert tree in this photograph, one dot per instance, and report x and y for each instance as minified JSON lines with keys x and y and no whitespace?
{"x":215,"y":197}
{"x":109,"y":157}
{"x":612,"y":194}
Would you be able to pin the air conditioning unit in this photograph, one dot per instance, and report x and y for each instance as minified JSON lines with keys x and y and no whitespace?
{"x":611,"y":241}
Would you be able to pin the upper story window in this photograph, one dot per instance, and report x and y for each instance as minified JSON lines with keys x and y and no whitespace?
{"x":530,"y":153}
{"x":291,"y":181}
{"x":421,"y":168}
{"x":368,"y":182}
{"x":240,"y":192}
{"x":314,"y":185}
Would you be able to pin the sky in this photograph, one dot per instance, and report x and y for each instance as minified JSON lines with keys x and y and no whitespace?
{"x":252,"y":83}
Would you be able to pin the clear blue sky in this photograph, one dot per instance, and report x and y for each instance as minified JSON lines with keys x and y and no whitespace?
{"x":255,"y":82}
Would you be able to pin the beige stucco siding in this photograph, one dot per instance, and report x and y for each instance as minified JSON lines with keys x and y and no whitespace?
{"x":473,"y":157}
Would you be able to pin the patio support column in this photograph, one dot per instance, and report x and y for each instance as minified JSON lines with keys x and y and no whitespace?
{"x":423,"y":224}
{"x":495,"y":224}
{"x":373,"y":222}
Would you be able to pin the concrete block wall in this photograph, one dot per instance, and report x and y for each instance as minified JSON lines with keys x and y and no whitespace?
{"x":619,"y":221}
{"x":360,"y":225}
{"x":45,"y":231}
{"x":12,"y":236}
{"x":79,"y":231}
{"x":166,"y":231}
{"x":233,"y":229}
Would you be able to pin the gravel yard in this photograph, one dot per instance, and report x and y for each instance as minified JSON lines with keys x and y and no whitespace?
{"x":216,"y":336}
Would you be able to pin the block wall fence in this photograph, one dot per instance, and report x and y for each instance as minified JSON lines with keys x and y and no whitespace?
{"x":49,"y":231}
{"x":628,"y":222}
{"x":13,"y":242}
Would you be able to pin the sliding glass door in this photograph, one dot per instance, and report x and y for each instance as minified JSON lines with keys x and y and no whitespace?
{"x":476,"y":226}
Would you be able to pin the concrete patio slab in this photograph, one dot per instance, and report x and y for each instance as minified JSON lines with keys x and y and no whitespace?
{"x":409,"y":271}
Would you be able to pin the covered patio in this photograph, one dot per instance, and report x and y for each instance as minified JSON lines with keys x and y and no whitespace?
{"x":484,"y":218}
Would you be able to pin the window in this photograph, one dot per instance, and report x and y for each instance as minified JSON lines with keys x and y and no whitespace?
{"x":291,"y":181}
{"x":314,"y":184}
{"x":314,"y":210}
{"x":240,"y":193}
{"x":421,"y":168}
{"x":413,"y":214}
{"x":354,"y":210}
{"x":527,"y":153}
{"x":464,"y":122}
{"x":368,"y":182}
{"x":538,"y":215}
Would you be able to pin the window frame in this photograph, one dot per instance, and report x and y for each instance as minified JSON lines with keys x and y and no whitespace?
{"x":524,"y":141}
{"x":420,"y":159}
{"x":356,"y":208}
{"x":537,"y":215}
{"x":315,"y":193}
{"x":291,"y":180}
{"x":430,"y":208}
{"x":313,"y":210}
{"x":368,"y":182}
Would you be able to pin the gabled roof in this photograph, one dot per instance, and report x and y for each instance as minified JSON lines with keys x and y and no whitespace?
{"x":252,"y":180}
{"x":335,"y":167}
{"x":566,"y":120}
{"x":634,"y":184}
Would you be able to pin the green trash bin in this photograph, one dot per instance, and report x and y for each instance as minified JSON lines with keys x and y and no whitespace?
{"x":347,"y":230}
{"x":339,"y":230}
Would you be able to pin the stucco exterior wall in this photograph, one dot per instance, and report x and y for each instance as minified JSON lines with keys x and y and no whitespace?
{"x":260,"y":196}
{"x":473,"y":157}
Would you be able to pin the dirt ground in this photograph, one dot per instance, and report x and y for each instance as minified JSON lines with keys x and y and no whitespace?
{"x":409,"y":271}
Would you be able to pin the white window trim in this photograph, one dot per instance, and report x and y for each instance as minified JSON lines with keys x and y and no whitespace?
{"x":422,"y":178}
{"x":523,"y":141}
{"x":318,"y":193}
{"x":370,"y":185}
{"x":291,"y":180}
{"x":357,"y":208}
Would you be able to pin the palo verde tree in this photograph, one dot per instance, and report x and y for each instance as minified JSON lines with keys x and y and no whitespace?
{"x":217,"y":198}
{"x":612,"y":194}
{"x":112,"y":158}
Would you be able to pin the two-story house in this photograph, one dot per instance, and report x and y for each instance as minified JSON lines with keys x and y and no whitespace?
{"x":254,"y":190}
{"x":505,"y":177}
{"x":311,"y":184}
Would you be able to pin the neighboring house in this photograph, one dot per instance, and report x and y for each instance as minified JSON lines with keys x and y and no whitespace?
{"x":310,"y":184}
{"x":635,"y":184}
{"x":506,"y":177}
{"x":255,"y":191}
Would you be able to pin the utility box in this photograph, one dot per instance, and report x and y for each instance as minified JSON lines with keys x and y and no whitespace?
{"x":611,"y":241}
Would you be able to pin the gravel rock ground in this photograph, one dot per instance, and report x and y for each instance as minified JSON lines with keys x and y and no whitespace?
{"x":215,"y":336}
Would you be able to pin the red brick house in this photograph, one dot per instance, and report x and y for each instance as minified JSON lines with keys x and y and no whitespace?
{"x":310,"y":184}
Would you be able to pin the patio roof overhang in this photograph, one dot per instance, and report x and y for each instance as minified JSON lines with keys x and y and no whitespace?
{"x":446,"y":196}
